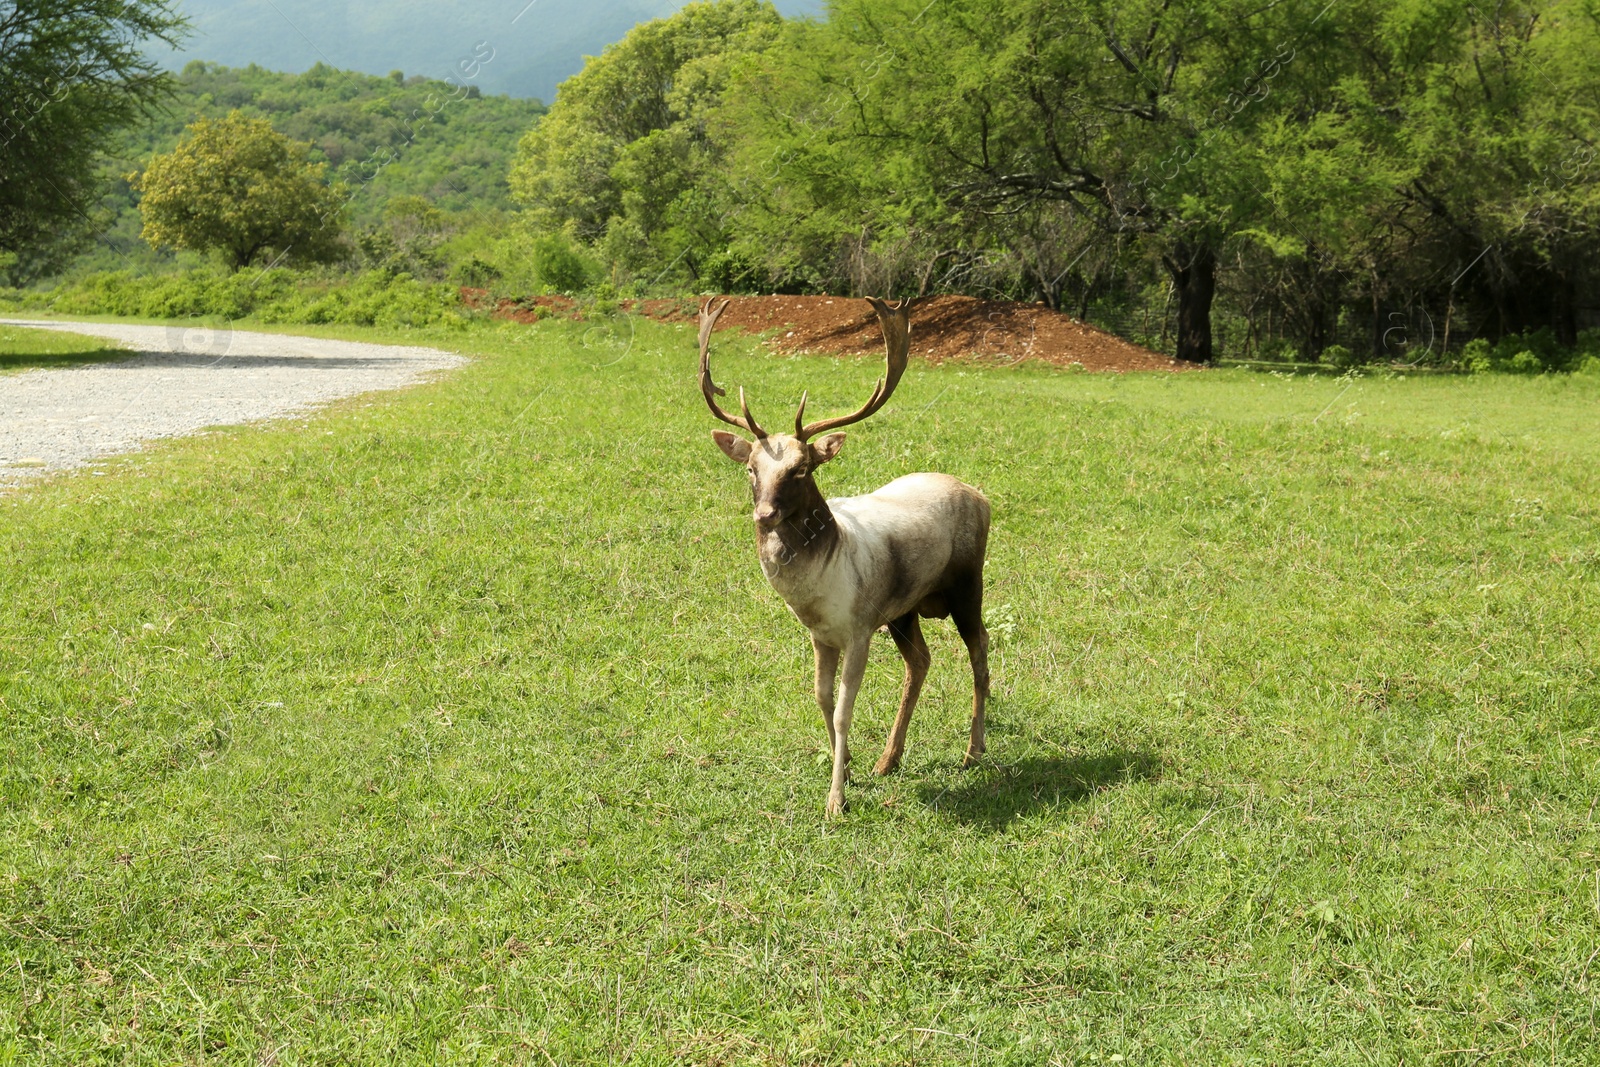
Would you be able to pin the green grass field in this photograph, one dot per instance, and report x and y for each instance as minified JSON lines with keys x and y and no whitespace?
{"x":459,"y":725}
{"x":23,"y":349}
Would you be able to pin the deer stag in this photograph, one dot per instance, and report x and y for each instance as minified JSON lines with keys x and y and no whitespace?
{"x":849,"y":566}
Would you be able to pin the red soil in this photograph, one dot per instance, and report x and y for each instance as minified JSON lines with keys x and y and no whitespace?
{"x":528,"y":309}
{"x":943,"y":327}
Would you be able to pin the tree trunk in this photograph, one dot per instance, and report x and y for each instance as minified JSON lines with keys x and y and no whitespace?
{"x":1565,"y":311}
{"x":1194,"y":276}
{"x":1316,"y":338}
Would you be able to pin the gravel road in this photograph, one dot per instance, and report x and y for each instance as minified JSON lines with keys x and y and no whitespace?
{"x":181,"y":379}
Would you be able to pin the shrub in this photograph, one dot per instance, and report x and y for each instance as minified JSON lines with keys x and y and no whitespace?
{"x":727,"y":271}
{"x":1525,"y":362}
{"x":104,"y":293}
{"x":605,"y":299}
{"x":1588,"y":344}
{"x":1528,"y":353}
{"x":625,"y":246}
{"x":12,"y":300}
{"x":1338,"y":356}
{"x":1478,"y":356}
{"x":559,"y":265}
{"x":1540,"y":344}
{"x":373,"y":299}
{"x":476,"y":272}
{"x":278,"y":295}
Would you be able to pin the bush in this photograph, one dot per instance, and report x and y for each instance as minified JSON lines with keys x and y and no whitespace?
{"x":24,"y":300}
{"x":1478,"y":356}
{"x":475,"y":272}
{"x":1529,"y":353}
{"x":604,"y":299}
{"x":727,"y":271}
{"x":559,"y":266}
{"x":1588,"y":345}
{"x":626,"y":247}
{"x":1525,"y":362}
{"x":1540,"y":345}
{"x":278,"y":295}
{"x":1588,"y":366}
{"x":1339,"y":356}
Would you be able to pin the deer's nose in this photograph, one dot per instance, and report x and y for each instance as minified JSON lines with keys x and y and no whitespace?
{"x":766,"y":514}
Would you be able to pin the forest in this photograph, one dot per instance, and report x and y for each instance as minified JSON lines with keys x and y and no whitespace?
{"x":1398,"y":181}
{"x":1380,"y":177}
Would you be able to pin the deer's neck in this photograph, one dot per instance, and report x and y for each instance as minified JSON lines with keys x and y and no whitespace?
{"x":805,"y":540}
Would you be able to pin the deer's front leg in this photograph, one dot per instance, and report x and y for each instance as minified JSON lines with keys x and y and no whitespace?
{"x":827,"y":671}
{"x":855,"y":668}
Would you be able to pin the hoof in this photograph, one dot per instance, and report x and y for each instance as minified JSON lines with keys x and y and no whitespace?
{"x":971,"y":760}
{"x":835,"y":806}
{"x":887,"y":765}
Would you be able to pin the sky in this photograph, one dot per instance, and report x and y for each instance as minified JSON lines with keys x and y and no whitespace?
{"x":508,"y":46}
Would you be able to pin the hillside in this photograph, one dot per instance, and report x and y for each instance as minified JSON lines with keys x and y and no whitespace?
{"x":534,"y":44}
{"x":454,"y":152}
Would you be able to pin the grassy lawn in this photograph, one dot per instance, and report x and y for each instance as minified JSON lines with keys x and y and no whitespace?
{"x":24,"y":349}
{"x":459,"y":725}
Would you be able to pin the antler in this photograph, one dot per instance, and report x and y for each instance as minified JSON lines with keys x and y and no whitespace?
{"x":708,"y":319}
{"x":896,"y":322}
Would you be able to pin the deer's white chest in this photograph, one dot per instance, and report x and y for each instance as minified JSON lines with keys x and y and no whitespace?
{"x":821,"y":592}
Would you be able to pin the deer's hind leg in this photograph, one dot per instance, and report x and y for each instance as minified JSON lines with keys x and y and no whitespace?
{"x":907,"y":634}
{"x":966,"y":609}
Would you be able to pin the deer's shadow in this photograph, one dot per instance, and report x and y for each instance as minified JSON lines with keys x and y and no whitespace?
{"x":994,"y":794}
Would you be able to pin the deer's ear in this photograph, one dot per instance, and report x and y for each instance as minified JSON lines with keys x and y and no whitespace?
{"x":827,"y":448}
{"x":737,"y":448}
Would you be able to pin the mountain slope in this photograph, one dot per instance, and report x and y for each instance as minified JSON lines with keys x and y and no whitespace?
{"x":382,"y":138}
{"x":521,"y":47}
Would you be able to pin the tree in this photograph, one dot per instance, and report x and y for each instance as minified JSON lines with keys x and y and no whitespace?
{"x":72,"y":72}
{"x":826,"y":192}
{"x":239,"y":187}
{"x":1508,"y":192}
{"x":1288,"y":144}
{"x":623,"y":156}
{"x":1137,"y":115}
{"x":1436,"y":164}
{"x":1408,"y":166}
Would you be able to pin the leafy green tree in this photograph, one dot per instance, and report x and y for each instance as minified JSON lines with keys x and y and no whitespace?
{"x":1135,"y":115}
{"x":383,"y":140}
{"x":239,"y":187}
{"x":408,"y":240}
{"x":72,"y":73}
{"x":825,"y":193}
{"x":1327,"y":164}
{"x":1436,"y":154}
{"x":623,"y":158}
{"x":1507,"y":196}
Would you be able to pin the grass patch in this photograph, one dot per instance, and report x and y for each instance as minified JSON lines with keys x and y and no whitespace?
{"x":25,"y":349}
{"x":459,"y":725}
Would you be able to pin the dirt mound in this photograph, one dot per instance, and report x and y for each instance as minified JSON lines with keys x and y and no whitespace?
{"x":942,"y":327}
{"x":527,"y":309}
